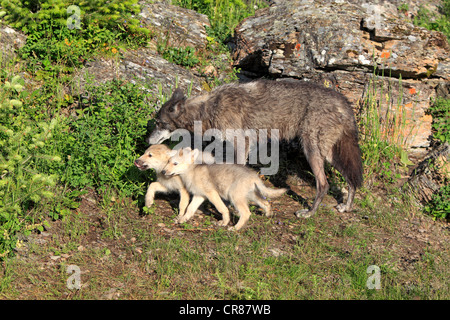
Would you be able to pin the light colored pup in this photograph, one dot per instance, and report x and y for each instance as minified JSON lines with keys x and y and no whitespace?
{"x":235,"y":183}
{"x":156,"y":157}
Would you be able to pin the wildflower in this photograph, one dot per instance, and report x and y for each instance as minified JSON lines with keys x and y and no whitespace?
{"x":297,"y":47}
{"x":385,"y":54}
{"x":412,"y":91}
{"x":114,"y":50}
{"x":66,"y":41}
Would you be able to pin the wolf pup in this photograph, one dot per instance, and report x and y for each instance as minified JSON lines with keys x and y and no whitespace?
{"x":235,"y":183}
{"x":156,"y":157}
{"x":321,"y":118}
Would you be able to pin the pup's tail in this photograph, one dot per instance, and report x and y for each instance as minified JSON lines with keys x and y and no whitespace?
{"x":347,"y":158}
{"x":268,"y":192}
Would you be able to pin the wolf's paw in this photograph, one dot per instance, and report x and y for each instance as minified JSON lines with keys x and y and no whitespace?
{"x":304,"y":213}
{"x":149,"y":202}
{"x":177,"y":219}
{"x":222,"y":223}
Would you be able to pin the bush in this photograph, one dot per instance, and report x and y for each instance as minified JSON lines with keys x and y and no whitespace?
{"x":440,"y":23}
{"x":22,"y":185}
{"x":439,"y":206}
{"x":103,"y":141}
{"x":440,"y":111}
{"x":54,"y":46}
{"x":224,"y":15}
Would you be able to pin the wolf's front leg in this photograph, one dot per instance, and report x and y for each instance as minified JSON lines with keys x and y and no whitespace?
{"x":191,"y":209}
{"x":152,"y":189}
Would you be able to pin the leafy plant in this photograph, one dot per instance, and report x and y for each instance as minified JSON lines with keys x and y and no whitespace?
{"x":440,"y":111}
{"x":22,"y":185}
{"x":224,"y":15}
{"x":106,"y":137}
{"x":439,"y":206}
{"x":29,"y":15}
{"x":182,"y":56}
{"x":383,"y":133}
{"x":426,"y":19}
{"x":53,"y":47}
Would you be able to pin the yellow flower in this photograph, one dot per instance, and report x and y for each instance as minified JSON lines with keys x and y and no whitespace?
{"x":114,"y":50}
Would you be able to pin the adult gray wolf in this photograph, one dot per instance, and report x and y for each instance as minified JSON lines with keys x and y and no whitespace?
{"x":321,"y":118}
{"x":235,"y":183}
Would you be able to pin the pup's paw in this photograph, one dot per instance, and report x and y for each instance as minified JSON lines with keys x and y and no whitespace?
{"x":304,"y":213}
{"x":222,"y":223}
{"x":149,"y":202}
{"x":342,"y":207}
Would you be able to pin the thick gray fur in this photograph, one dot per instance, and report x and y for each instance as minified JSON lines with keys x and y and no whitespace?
{"x":321,"y":118}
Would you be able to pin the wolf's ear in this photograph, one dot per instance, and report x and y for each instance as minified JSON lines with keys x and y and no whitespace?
{"x":172,"y":153}
{"x":177,"y":95}
{"x":194,"y":154}
{"x":176,"y":107}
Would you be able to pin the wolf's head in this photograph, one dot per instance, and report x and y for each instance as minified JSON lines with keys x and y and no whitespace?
{"x":155,"y":157}
{"x":180,"y":161}
{"x":166,"y":119}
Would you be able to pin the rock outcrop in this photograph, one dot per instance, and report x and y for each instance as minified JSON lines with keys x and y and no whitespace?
{"x":368,"y":50}
{"x":10,"y":41}
{"x":354,"y":47}
{"x":171,"y":26}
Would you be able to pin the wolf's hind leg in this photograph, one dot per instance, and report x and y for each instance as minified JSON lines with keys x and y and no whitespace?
{"x":345,"y":207}
{"x":241,"y":206}
{"x":317,"y":165}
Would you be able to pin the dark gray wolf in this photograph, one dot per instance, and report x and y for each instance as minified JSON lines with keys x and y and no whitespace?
{"x":321,"y":118}
{"x":235,"y":183}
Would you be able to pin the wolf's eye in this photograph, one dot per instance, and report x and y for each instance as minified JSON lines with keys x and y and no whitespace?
{"x":175,"y":163}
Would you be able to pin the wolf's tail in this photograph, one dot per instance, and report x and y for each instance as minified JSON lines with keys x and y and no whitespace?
{"x":347,"y":157}
{"x":268,"y":192}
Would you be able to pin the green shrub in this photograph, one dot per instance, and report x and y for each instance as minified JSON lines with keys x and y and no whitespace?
{"x":440,"y":111}
{"x":426,"y":19}
{"x":106,"y":137}
{"x":29,"y":15}
{"x":439,"y":206}
{"x":54,"y":47}
{"x":182,"y":56}
{"x":22,"y":185}
{"x":224,"y":15}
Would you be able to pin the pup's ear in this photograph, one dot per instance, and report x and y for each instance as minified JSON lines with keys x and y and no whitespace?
{"x":194,"y":154}
{"x":172,"y":153}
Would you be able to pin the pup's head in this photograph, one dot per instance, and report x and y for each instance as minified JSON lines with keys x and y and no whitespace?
{"x":180,"y":161}
{"x":155,"y":157}
{"x":166,"y":119}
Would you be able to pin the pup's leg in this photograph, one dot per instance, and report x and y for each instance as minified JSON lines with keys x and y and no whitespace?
{"x":192,"y":208}
{"x":215,"y":199}
{"x":152,"y":189}
{"x":262,"y":203}
{"x":184,"y":201}
{"x":241,"y":206}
